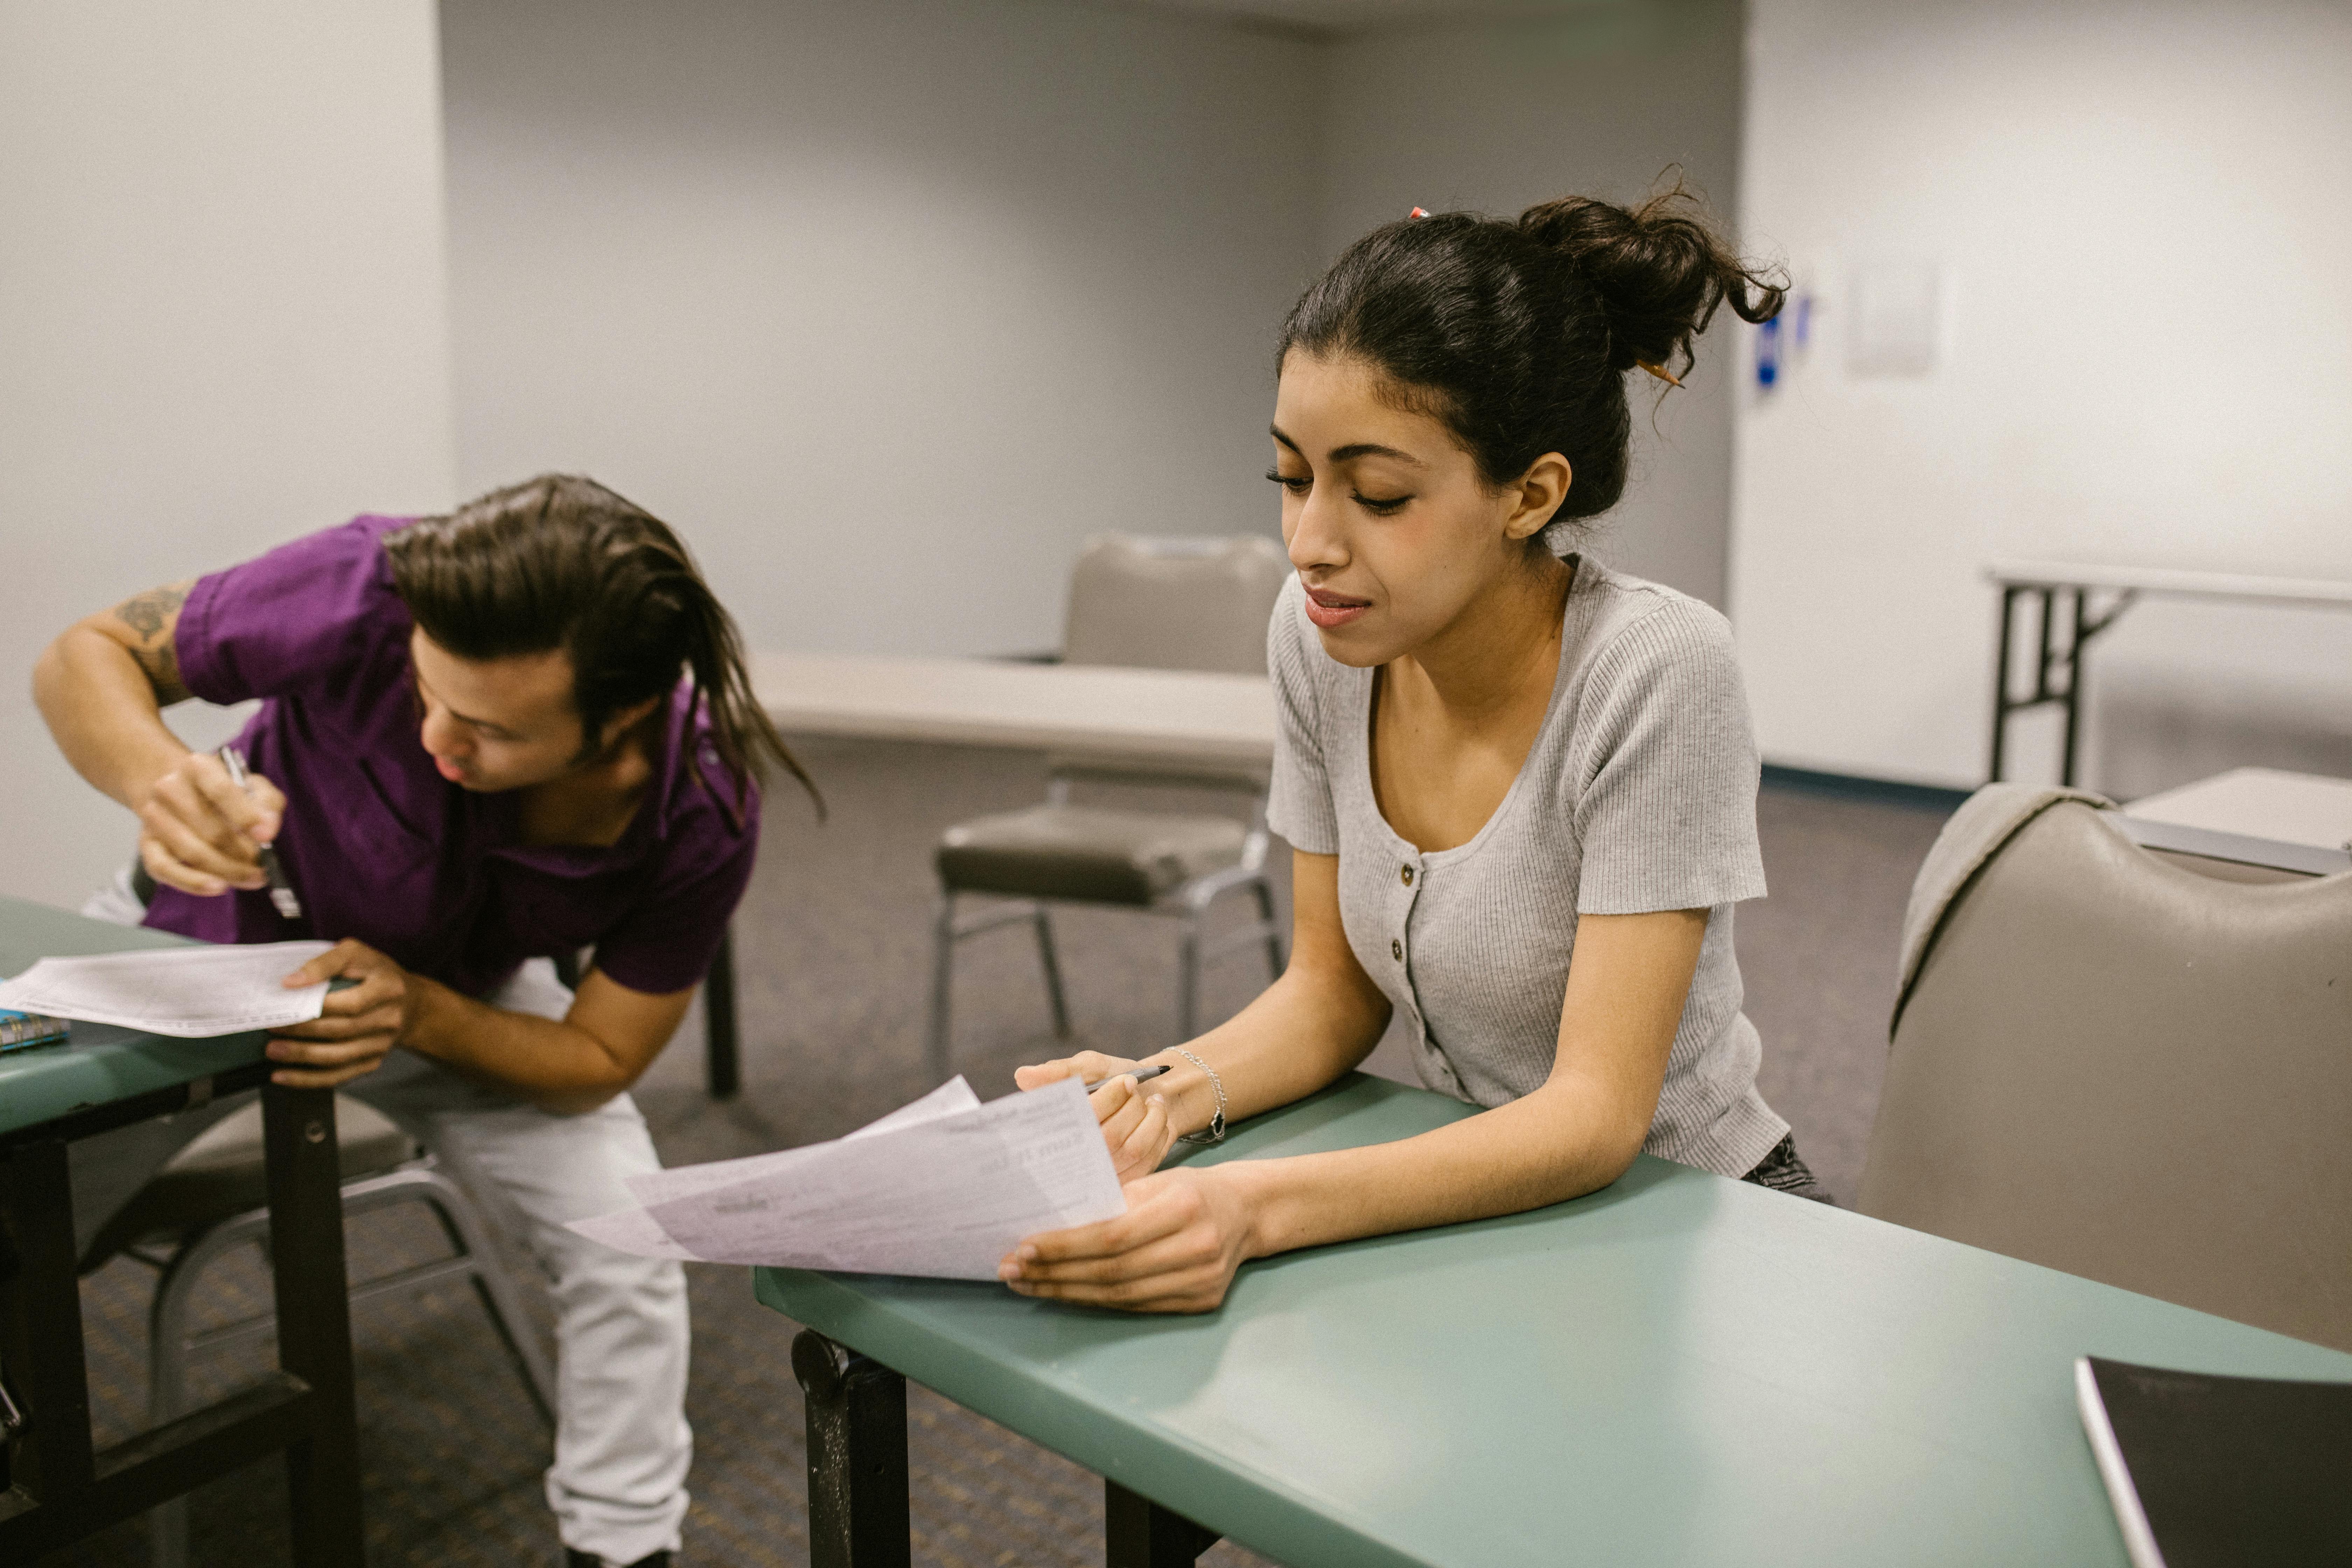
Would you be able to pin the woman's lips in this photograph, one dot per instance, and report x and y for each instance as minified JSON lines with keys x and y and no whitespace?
{"x":449,"y":770}
{"x":1328,"y":610}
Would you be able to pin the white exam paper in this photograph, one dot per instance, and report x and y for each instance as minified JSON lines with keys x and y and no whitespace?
{"x":190,"y":992}
{"x":943,"y":1187}
{"x":660,"y":1186}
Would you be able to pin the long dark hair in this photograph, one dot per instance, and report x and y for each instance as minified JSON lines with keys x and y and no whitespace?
{"x":1517,"y":335}
{"x":561,"y":562}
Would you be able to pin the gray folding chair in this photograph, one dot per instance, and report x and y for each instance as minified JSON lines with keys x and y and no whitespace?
{"x":211,"y":1198}
{"x":1158,"y":603}
{"x":2112,"y":1063}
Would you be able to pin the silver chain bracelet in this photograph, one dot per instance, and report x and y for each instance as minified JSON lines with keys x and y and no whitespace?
{"x":1216,"y":1133}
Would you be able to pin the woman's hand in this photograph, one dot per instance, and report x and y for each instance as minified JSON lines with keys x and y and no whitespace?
{"x":359,"y":1025}
{"x":1134,"y":1121}
{"x":1174,"y":1249}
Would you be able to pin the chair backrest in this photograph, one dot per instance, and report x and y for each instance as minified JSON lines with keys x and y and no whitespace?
{"x":1173,"y":604}
{"x":2121,"y":1068}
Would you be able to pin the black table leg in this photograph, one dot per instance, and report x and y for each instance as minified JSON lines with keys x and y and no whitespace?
{"x":40,"y":1334}
{"x":2000,"y":682}
{"x":2056,"y":655}
{"x":856,"y":1457}
{"x":1139,"y":1533}
{"x":2078,"y":634}
{"x":722,"y":1044}
{"x":314,"y":1338}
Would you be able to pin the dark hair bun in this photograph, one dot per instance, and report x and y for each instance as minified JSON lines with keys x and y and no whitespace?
{"x":1518,"y":335}
{"x":1658,"y":270}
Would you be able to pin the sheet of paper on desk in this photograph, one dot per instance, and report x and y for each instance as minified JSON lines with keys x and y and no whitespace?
{"x":942,"y":1187}
{"x":190,"y":992}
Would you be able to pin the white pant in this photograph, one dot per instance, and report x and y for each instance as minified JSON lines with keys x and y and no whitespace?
{"x":621,"y":1443}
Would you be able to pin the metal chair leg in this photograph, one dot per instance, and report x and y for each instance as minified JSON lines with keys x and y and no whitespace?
{"x":1272,"y":938}
{"x":943,"y":941}
{"x":460,"y":1223}
{"x":167,"y":1362}
{"x":1053,"y":973}
{"x":168,"y":1339}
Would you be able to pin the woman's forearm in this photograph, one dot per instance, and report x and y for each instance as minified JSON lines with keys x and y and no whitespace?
{"x":1624,"y":999}
{"x":1560,"y":1143}
{"x":1302,"y":1032}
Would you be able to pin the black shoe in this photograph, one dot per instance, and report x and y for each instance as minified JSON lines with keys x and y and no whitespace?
{"x":582,"y":1560}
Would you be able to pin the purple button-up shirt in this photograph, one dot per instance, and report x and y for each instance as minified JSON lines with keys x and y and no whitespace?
{"x":382,"y":848}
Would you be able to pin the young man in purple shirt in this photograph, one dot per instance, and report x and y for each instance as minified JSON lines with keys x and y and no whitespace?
{"x":486,"y":738}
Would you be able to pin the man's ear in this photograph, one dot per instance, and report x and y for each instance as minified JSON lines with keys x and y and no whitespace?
{"x":1539,"y":493}
{"x":627,"y":719}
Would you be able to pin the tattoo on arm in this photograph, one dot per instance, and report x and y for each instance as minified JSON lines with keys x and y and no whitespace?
{"x":154,"y":617}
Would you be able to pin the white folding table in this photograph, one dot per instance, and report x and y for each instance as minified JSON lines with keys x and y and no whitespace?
{"x":2255,"y":817}
{"x":2057,"y":666}
{"x":1099,"y":711}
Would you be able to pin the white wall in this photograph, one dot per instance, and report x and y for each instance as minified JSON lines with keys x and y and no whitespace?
{"x":1498,"y":116}
{"x":222,"y":323}
{"x":2148,"y":359}
{"x":886,"y":304}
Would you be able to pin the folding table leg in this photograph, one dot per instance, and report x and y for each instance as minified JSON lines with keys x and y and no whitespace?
{"x":314,"y":1336}
{"x":856,"y":1457}
{"x":1139,"y":1533}
{"x":40,"y":1329}
{"x":722,"y":1042}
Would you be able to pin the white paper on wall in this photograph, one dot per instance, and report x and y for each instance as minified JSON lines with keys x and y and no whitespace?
{"x":1894,"y":322}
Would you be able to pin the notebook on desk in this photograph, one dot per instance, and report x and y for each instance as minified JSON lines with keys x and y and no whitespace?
{"x":2205,"y":1470}
{"x":20,"y":1031}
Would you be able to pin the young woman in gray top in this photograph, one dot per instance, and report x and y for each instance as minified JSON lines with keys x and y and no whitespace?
{"x":1520,"y":788}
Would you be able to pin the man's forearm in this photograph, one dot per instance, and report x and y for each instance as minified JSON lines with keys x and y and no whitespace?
{"x":555,"y":1065}
{"x":102,"y":709}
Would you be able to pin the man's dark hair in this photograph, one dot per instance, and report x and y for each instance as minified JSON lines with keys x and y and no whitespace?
{"x":560,"y":562}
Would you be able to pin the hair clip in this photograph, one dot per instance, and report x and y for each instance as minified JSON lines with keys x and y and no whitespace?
{"x":1661,"y":372}
{"x":1418,"y":212}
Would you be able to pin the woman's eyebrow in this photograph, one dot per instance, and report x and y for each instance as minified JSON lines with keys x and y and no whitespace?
{"x":1353,"y":450}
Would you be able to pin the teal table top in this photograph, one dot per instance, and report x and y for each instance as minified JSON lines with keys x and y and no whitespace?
{"x":102,"y":1064}
{"x":1677,"y":1370}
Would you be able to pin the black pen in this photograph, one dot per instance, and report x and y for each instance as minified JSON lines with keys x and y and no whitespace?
{"x":281,"y":892}
{"x":1136,"y":1074}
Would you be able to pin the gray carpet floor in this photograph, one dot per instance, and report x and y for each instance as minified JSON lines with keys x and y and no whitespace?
{"x":833,"y":952}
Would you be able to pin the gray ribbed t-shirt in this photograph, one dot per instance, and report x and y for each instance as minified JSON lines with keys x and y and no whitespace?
{"x":1638,"y":795}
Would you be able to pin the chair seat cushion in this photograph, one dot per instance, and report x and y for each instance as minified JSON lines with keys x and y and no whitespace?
{"x":224,"y":1172}
{"x":1086,"y":854}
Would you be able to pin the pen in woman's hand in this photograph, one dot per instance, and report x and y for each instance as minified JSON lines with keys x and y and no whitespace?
{"x":1137,"y":1075}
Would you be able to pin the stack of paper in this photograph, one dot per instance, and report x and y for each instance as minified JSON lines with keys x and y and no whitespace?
{"x":943,"y":1187}
{"x":191,"y":992}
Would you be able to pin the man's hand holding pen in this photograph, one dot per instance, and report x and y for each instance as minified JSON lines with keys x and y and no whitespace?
{"x":201,"y":831}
